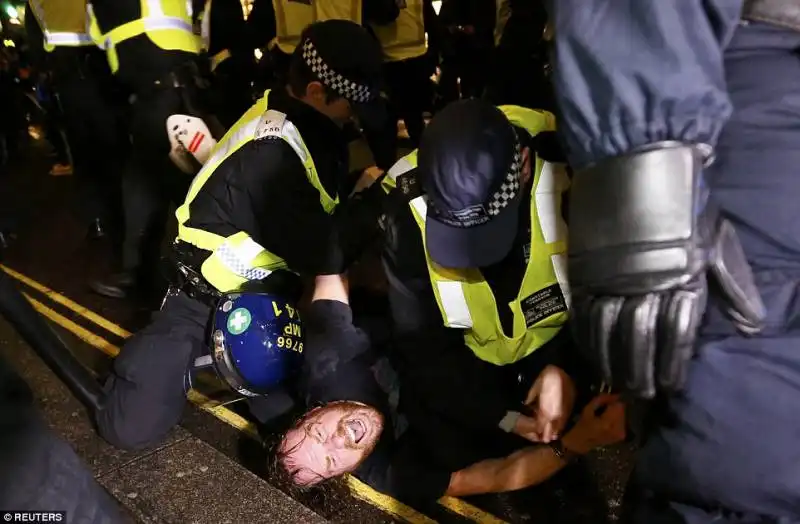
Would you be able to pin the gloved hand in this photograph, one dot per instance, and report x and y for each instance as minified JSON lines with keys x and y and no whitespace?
{"x":644,"y":240}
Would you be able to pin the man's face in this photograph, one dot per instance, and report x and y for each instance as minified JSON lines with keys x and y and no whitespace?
{"x":338,"y":110}
{"x":331,"y":440}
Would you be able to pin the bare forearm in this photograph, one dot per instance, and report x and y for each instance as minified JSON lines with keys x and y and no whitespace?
{"x":519,"y":470}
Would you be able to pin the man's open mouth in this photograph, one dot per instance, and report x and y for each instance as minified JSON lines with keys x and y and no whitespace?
{"x":356,"y":429}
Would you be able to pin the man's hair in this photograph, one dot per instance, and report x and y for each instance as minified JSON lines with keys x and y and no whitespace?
{"x":329,"y":493}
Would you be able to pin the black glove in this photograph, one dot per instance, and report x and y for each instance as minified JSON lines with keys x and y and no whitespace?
{"x":643,"y":236}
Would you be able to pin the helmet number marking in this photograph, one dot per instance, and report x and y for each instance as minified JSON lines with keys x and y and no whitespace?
{"x":291,"y":343}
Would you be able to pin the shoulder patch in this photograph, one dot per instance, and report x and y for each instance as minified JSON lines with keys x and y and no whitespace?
{"x":270,"y":125}
{"x":408,"y":185}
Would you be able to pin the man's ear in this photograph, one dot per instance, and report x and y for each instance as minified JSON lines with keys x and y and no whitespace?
{"x":315,"y":90}
{"x":527,"y":169}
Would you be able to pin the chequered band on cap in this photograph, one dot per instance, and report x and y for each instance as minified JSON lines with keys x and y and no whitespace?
{"x":342,"y":86}
{"x":482,"y":213}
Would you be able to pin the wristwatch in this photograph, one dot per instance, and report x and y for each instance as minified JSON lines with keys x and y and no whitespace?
{"x":562,"y":452}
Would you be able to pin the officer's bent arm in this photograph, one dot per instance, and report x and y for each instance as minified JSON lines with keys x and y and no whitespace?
{"x":432,"y":354}
{"x":619,"y":88}
{"x":288,"y":218}
{"x":356,"y":222}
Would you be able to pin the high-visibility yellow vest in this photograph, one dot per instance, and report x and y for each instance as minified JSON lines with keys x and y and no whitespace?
{"x":541,"y":307}
{"x":167,"y":23}
{"x":63,"y":22}
{"x":337,"y":10}
{"x":238,"y":258}
{"x":405,"y":37}
{"x":291,"y":18}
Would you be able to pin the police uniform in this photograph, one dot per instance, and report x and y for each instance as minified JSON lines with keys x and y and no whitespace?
{"x":267,"y":199}
{"x":59,"y":39}
{"x":705,"y":94}
{"x":231,"y":62}
{"x":407,"y":63}
{"x":464,"y":362}
{"x":151,"y":49}
{"x":292,"y":16}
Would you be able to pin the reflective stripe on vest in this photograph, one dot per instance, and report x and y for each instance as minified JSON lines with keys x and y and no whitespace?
{"x":467,"y":302}
{"x":291,"y":18}
{"x":404,"y":165}
{"x":166,"y":23}
{"x":63,"y":22}
{"x":405,"y":37}
{"x":238,"y":258}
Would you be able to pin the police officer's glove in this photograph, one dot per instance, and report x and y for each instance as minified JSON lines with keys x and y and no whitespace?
{"x":643,"y":238}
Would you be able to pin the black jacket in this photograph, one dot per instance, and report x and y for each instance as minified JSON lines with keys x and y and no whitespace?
{"x":263,"y":189}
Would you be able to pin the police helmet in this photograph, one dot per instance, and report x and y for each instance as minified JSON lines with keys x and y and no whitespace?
{"x":256,"y":341}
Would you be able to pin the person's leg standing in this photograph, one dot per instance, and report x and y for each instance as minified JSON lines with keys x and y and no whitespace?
{"x":150,"y":181}
{"x":728,"y":450}
{"x":145,"y":392}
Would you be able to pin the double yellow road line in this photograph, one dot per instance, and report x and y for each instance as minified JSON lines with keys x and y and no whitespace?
{"x":358,"y":488}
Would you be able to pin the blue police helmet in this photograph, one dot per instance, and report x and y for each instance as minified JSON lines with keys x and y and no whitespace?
{"x":256,"y":342}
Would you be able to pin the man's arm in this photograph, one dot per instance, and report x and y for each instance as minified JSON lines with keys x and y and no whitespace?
{"x":602,"y":423}
{"x":631,"y":73}
{"x":524,"y":468}
{"x":430,"y":353}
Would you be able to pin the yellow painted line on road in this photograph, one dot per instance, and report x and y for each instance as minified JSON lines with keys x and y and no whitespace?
{"x":64,"y":301}
{"x":82,"y":333}
{"x":467,"y":510}
{"x":218,"y":410}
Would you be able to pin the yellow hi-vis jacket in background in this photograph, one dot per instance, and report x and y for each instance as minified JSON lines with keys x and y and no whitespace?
{"x":238,"y":258}
{"x":293,"y":16}
{"x":167,"y":23}
{"x":405,"y":37}
{"x":540,"y":309}
{"x":63,"y":22}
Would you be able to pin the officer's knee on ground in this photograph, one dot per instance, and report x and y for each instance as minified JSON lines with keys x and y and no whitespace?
{"x":122,"y":432}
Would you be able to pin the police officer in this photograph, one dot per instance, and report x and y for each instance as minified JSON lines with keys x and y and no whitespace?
{"x":152,"y":51}
{"x":230,"y":62}
{"x":59,"y":42}
{"x":409,"y":63}
{"x":476,"y":222}
{"x":682,"y":119}
{"x":292,"y":16}
{"x":267,"y":199}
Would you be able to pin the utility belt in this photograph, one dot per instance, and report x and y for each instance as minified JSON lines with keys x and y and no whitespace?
{"x":185,"y":274}
{"x":783,"y":13}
